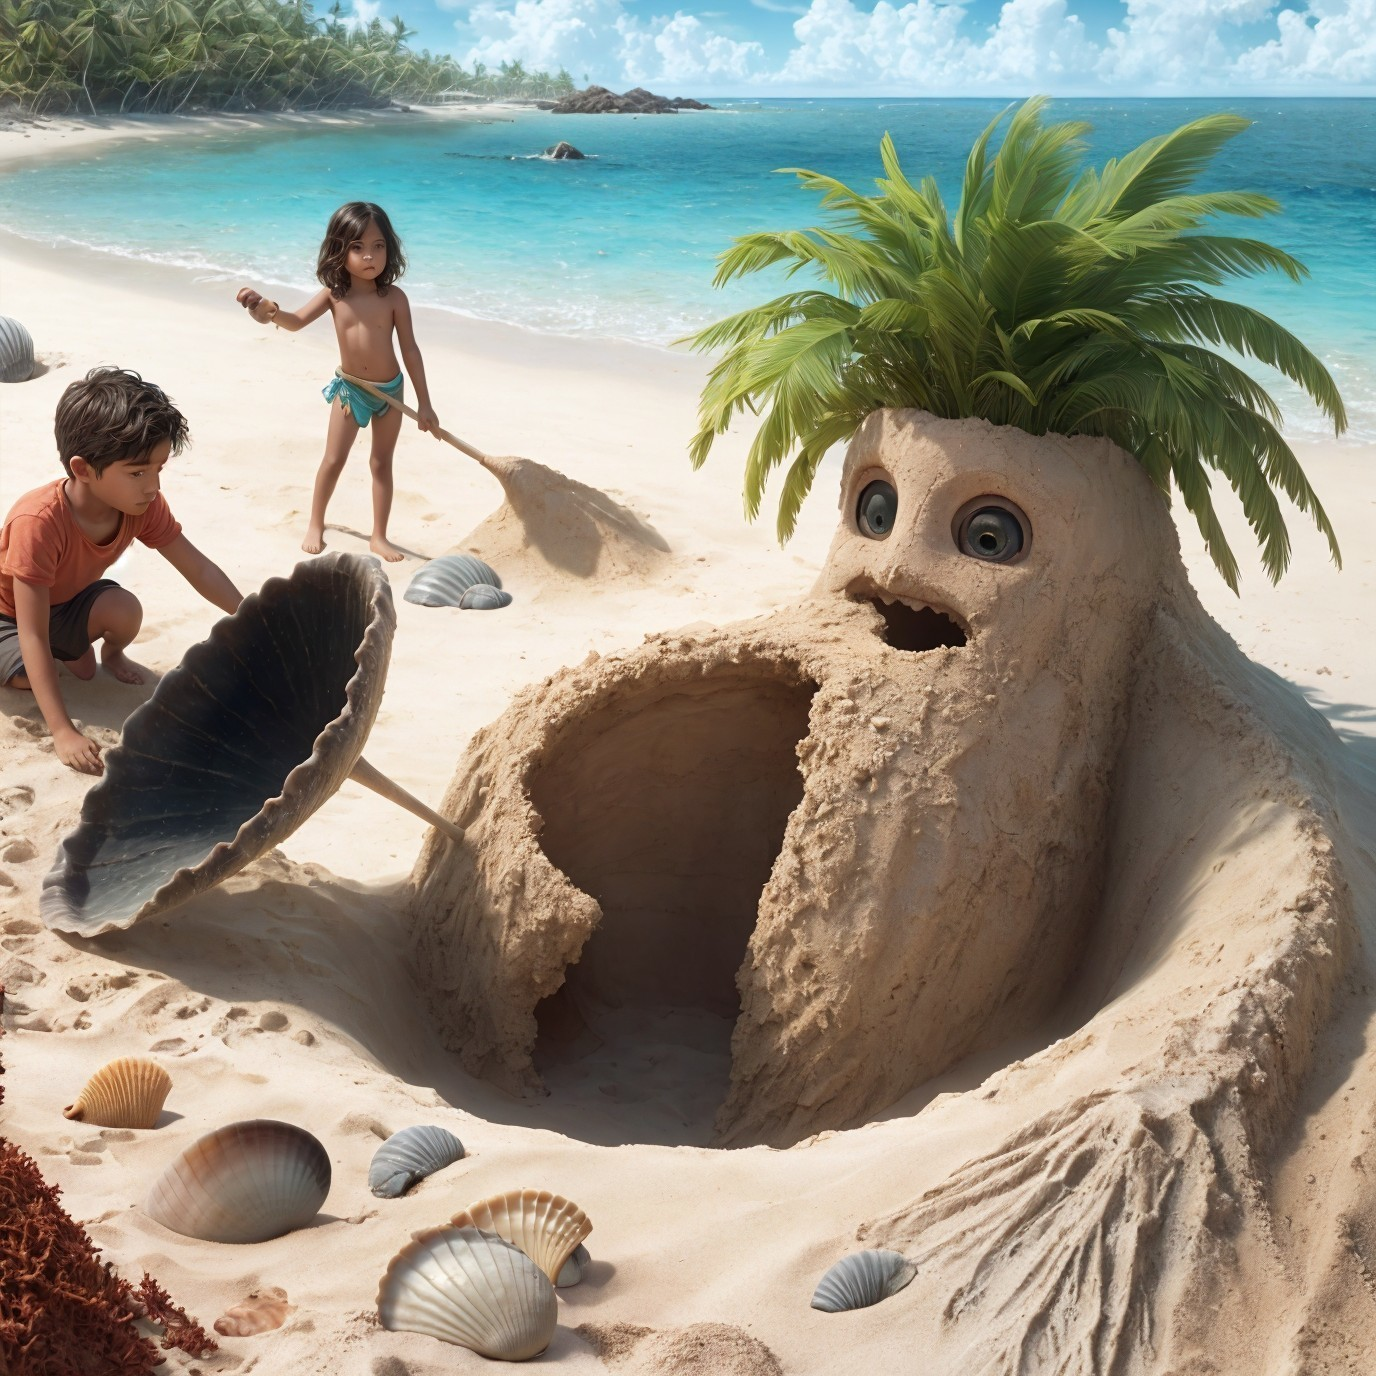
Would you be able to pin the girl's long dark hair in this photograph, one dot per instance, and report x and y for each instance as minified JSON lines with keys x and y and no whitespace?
{"x":346,"y":227}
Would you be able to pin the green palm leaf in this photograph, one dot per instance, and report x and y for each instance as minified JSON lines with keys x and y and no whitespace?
{"x":1057,"y":298}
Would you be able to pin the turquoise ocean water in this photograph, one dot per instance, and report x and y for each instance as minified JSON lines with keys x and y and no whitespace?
{"x":622,"y":245}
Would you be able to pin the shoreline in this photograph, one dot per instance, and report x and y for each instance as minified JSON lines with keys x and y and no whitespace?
{"x":28,"y":138}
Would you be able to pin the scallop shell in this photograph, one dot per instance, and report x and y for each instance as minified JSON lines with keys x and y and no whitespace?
{"x":862,"y":1279}
{"x":483,"y":597}
{"x":16,"y":351}
{"x":127,"y":1093}
{"x":410,"y":1155}
{"x":442,"y":582}
{"x":546,"y":1227}
{"x":243,"y":1183}
{"x":471,"y":1288}
{"x":574,"y":1269}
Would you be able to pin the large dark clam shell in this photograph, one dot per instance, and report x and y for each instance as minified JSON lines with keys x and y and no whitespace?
{"x":239,"y":744}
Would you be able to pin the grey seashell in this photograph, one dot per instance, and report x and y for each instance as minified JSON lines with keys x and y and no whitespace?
{"x":470,"y":1288}
{"x":862,"y":1279}
{"x":243,"y":1183}
{"x":483,"y":597}
{"x":442,"y":582}
{"x":410,"y":1155}
{"x":574,"y":1269}
{"x":16,"y":351}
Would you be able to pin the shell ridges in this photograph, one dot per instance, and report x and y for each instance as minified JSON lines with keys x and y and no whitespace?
{"x":862,"y":1279}
{"x":246,"y":1182}
{"x":409,"y":1156}
{"x":442,"y":582}
{"x":126,"y":1093}
{"x":471,"y":1288}
{"x":545,"y":1226}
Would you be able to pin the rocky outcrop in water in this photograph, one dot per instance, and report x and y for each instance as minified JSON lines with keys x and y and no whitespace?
{"x":598,"y":100}
{"x":561,"y":151}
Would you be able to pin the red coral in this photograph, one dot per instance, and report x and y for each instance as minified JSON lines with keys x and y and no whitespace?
{"x":181,"y":1329}
{"x":64,"y":1312}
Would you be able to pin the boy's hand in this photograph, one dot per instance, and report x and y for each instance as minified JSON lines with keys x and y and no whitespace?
{"x":426,"y":419}
{"x":78,"y":752}
{"x":257,"y":305}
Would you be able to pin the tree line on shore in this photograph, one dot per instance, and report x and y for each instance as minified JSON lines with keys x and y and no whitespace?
{"x":163,"y":56}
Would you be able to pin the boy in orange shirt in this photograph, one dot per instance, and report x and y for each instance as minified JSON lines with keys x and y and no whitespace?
{"x":114,"y":434}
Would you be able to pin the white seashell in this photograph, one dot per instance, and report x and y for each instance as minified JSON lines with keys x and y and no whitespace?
{"x":546,"y":1227}
{"x":573,"y":1270}
{"x":483,"y":597}
{"x":127,"y":1093}
{"x":862,"y":1279}
{"x":410,"y":1155}
{"x":442,"y":582}
{"x":243,"y":1183}
{"x":471,"y":1288}
{"x":16,"y":351}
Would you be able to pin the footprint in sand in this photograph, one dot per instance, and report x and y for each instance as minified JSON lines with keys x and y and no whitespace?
{"x":6,"y":882}
{"x":274,"y":1020}
{"x":14,"y":799}
{"x":18,"y":852}
{"x":22,"y":926}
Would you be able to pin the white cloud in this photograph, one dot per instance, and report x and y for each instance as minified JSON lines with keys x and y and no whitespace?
{"x":365,"y":11}
{"x":774,"y":7}
{"x":935,"y":47}
{"x":601,"y":38}
{"x":924,"y":47}
{"x":1338,"y":46}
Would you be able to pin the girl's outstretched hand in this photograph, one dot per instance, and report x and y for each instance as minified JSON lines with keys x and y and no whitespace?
{"x":426,"y":419}
{"x":257,"y":305}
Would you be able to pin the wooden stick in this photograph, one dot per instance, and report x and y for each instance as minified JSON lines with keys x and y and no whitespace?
{"x":364,"y":773}
{"x":375,"y":390}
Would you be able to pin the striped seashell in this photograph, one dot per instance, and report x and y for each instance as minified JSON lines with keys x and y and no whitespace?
{"x":410,"y":1155}
{"x":546,"y":1227}
{"x":442,"y":582}
{"x":470,"y":1288}
{"x":483,"y":597}
{"x":243,"y":1183}
{"x":16,"y":351}
{"x":127,"y":1093}
{"x":574,"y":1269}
{"x":862,"y":1279}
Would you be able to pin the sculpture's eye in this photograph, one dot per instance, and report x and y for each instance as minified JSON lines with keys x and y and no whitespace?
{"x":877,"y":509}
{"x":992,"y":533}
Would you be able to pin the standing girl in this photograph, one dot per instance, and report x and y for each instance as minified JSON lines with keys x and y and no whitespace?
{"x":359,"y":261}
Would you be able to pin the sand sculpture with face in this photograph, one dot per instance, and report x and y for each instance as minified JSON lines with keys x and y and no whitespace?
{"x":997,"y":793}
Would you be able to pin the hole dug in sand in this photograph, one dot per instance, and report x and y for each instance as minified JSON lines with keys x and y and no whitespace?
{"x":670,"y":813}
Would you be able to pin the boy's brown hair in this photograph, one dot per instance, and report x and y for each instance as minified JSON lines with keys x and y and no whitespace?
{"x":346,"y":227}
{"x":113,"y":414}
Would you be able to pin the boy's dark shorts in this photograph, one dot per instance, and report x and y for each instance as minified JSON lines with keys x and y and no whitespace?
{"x":67,"y":623}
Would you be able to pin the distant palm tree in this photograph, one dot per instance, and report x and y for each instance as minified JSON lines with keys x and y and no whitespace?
{"x":1058,"y":299}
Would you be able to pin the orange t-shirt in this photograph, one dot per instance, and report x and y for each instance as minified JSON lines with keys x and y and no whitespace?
{"x":42,"y":544}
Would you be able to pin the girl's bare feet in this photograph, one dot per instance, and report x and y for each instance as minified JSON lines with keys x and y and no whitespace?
{"x":385,"y":549}
{"x":315,"y":539}
{"x":116,"y":662}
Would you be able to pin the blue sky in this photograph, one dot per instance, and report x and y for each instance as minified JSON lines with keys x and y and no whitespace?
{"x":918,"y":47}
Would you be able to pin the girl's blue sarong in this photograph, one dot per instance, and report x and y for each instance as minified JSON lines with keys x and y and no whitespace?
{"x":362,"y":405}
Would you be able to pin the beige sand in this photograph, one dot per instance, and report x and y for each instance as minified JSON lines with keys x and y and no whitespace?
{"x":1198,"y":1138}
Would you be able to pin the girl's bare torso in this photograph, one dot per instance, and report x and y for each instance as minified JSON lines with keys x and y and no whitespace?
{"x":364,"y":324}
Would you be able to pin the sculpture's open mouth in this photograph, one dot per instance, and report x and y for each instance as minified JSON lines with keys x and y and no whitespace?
{"x":668,"y":806}
{"x":913,"y":627}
